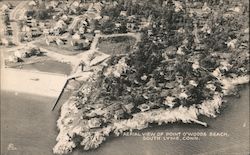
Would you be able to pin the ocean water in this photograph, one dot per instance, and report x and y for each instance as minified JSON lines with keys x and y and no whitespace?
{"x":28,"y":123}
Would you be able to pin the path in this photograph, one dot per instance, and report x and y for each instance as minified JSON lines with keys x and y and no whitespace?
{"x":16,"y":14}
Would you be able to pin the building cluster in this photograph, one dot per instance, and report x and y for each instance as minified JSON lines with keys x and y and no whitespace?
{"x":6,"y":25}
{"x":62,"y":28}
{"x":24,"y":53}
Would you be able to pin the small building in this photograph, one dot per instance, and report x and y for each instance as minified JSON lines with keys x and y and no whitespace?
{"x":59,"y":42}
{"x":4,"y":41}
{"x":119,"y":114}
{"x":94,"y":123}
{"x":80,"y":45}
{"x":144,"y":107}
{"x":49,"y":40}
{"x":128,"y":107}
{"x":76,"y":36}
{"x":13,"y":58}
{"x":97,"y":31}
{"x":98,"y":6}
{"x":21,"y":54}
{"x":113,"y":107}
{"x":123,"y":13}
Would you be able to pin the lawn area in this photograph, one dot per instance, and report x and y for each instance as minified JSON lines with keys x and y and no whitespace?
{"x":116,"y":45}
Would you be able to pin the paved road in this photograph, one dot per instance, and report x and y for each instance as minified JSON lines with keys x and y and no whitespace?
{"x":16,"y":14}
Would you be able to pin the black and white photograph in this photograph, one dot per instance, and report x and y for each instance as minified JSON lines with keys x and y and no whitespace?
{"x":124,"y":77}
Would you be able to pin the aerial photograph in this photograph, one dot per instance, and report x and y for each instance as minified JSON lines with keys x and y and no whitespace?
{"x":124,"y":77}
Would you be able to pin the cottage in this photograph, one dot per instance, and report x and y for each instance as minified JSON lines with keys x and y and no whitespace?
{"x":46,"y":31}
{"x":21,"y":54}
{"x":79,"y":45}
{"x":4,"y":41}
{"x":123,"y":13}
{"x":49,"y":40}
{"x":144,"y":107}
{"x":119,"y":114}
{"x":113,"y":107}
{"x":128,"y":107}
{"x":32,"y":3}
{"x":60,"y":24}
{"x":59,"y":42}
{"x":4,"y":7}
{"x":26,"y":28}
{"x":76,"y":36}
{"x":52,"y":4}
{"x":118,"y":25}
{"x":12,"y":58}
{"x":97,"y":31}
{"x":98,"y":6}
{"x":94,"y":123}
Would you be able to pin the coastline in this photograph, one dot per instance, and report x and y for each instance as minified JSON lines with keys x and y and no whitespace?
{"x":229,"y":120}
{"x":140,"y":121}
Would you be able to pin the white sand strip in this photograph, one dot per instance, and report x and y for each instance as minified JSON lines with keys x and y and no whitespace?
{"x":39,"y":83}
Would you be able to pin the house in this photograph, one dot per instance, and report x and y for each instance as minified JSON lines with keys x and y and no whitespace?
{"x":128,"y":107}
{"x":4,"y":7}
{"x":49,"y":40}
{"x":76,"y":36}
{"x":94,"y":122}
{"x":113,"y":107}
{"x":64,"y":18}
{"x":89,"y":36}
{"x":26,"y":28}
{"x":118,"y":25}
{"x":74,"y":6}
{"x":4,"y":41}
{"x":21,"y":54}
{"x":123,"y":13}
{"x":98,"y":17}
{"x":53,"y":4}
{"x":97,"y":31}
{"x":46,"y":31}
{"x":32,"y":3}
{"x":144,"y":107}
{"x":13,"y":58}
{"x":35,"y":32}
{"x":59,"y":42}
{"x":119,"y":114}
{"x":98,"y":6}
{"x":80,"y":45}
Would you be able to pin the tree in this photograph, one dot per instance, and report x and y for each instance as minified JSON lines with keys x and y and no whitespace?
{"x":41,"y":14}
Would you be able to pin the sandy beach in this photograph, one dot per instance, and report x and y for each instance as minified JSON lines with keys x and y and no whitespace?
{"x":32,"y":82}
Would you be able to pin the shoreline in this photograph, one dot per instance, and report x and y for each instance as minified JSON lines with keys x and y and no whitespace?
{"x":137,"y":143}
{"x":92,"y":139}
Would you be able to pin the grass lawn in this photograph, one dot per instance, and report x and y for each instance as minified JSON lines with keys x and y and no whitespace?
{"x":116,"y":45}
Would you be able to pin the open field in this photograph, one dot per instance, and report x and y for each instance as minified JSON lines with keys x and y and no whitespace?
{"x":116,"y":45}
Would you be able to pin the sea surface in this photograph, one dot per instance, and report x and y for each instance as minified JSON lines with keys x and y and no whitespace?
{"x":28,"y":127}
